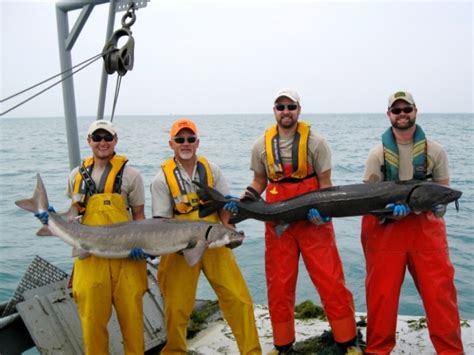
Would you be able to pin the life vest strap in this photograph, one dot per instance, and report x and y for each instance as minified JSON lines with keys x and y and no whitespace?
{"x":193,"y":208}
{"x":90,"y":187}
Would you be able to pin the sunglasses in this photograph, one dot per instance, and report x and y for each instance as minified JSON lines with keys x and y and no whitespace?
{"x":97,"y":138}
{"x":290,"y":107}
{"x":181,"y":140}
{"x":398,"y":110}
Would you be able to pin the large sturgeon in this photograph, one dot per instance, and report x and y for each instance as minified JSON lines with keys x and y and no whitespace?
{"x":336,"y":201}
{"x":155,"y":236}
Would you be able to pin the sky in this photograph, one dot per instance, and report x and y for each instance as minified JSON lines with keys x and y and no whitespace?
{"x":232,"y":56}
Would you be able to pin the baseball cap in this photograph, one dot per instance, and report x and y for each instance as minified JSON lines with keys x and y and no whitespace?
{"x":102,"y":124}
{"x":182,"y":124}
{"x":289,"y":93}
{"x":401,"y":95}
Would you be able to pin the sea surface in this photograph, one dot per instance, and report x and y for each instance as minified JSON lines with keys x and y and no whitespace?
{"x":31,"y":145}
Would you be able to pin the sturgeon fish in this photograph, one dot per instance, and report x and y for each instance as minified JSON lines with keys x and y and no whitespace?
{"x":158,"y":236}
{"x":336,"y":201}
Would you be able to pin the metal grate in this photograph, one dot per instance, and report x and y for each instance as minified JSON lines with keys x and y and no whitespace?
{"x":39,"y":273}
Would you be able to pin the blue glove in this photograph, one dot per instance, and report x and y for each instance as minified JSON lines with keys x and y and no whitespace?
{"x":137,"y":254}
{"x":315,"y":217}
{"x":399,"y":209}
{"x":232,"y":205}
{"x":43,"y":216}
{"x":439,"y":210}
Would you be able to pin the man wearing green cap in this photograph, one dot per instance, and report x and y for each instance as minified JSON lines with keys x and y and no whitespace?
{"x":408,"y":240}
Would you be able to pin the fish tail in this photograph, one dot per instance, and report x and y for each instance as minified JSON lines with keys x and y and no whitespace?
{"x":211,"y":200}
{"x":207,"y":209}
{"x":207,"y":193}
{"x":236,"y":219}
{"x":44,"y":231}
{"x":39,"y":201}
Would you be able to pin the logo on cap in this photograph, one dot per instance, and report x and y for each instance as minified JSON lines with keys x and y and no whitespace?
{"x":399,"y":94}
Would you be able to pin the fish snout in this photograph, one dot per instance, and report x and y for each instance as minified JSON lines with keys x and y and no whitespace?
{"x":425,"y":197}
{"x":236,"y":236}
{"x":236,"y":239}
{"x":456,"y":194}
{"x":223,"y":236}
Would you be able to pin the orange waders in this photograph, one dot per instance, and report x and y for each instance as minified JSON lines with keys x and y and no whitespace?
{"x":419,"y":243}
{"x":318,"y":248}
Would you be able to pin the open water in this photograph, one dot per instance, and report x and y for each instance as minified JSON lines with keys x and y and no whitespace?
{"x":31,"y":145}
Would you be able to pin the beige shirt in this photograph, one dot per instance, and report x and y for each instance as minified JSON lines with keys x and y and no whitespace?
{"x":161,"y":199}
{"x":133,"y":190}
{"x":319,"y":154}
{"x":437,"y":162}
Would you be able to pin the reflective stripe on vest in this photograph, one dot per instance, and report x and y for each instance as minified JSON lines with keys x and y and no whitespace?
{"x":299,"y":154}
{"x":391,"y":156}
{"x":187,"y":203}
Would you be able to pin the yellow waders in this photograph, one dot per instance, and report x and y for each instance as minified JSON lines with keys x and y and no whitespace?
{"x":178,"y":283}
{"x":98,"y":283}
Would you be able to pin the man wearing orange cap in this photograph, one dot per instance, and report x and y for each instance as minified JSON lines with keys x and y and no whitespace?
{"x":406,"y":240}
{"x":174,"y":196}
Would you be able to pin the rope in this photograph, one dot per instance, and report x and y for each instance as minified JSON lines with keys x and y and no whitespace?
{"x":85,"y":64}
{"x":117,"y":90}
{"x":121,"y":61}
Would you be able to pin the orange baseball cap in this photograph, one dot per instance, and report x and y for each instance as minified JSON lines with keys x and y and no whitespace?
{"x":182,"y":124}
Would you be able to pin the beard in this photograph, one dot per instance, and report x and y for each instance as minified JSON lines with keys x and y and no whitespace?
{"x":186,"y":155}
{"x":403,"y":126}
{"x":287,"y":122}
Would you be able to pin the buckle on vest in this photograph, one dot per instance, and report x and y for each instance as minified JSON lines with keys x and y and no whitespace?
{"x":183,"y":208}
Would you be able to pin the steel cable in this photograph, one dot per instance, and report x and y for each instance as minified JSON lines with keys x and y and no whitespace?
{"x":84,"y":64}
